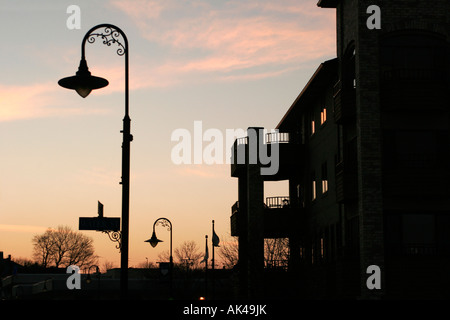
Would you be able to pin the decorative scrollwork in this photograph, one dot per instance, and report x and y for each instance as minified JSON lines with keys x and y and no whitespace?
{"x":164,"y":223}
{"x":115,"y":236}
{"x":109,"y":36}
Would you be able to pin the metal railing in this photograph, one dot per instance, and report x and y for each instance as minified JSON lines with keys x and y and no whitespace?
{"x":277,"y":202}
{"x":271,"y":137}
{"x":276,"y":264}
{"x":419,"y":249}
{"x":277,"y":137}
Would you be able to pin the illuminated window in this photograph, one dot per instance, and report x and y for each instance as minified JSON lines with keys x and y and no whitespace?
{"x":313,"y":187}
{"x":324,"y":178}
{"x":313,"y":124}
{"x":323,"y":115}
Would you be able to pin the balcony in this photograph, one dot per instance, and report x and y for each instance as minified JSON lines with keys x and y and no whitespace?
{"x":289,"y":150}
{"x":344,"y":103}
{"x":280,"y":219}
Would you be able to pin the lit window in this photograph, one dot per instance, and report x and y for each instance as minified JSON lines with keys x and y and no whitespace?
{"x":323,"y":115}
{"x":313,"y":190}
{"x":324,"y":186}
{"x":324,"y":178}
{"x":313,"y":124}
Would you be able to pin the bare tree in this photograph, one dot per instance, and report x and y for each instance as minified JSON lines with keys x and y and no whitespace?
{"x":229,"y":252}
{"x":276,"y":252}
{"x":63,"y":247}
{"x":108,"y":265}
{"x":43,"y":248}
{"x":188,"y":253}
{"x":164,"y":256}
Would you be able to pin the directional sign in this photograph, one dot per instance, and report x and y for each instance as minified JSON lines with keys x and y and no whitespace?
{"x":99,"y":224}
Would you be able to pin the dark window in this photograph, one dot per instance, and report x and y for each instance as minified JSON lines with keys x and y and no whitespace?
{"x":419,"y":150}
{"x":419,"y":234}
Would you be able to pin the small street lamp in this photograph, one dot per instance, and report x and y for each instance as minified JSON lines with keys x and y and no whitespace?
{"x":154,"y":242}
{"x":88,"y":278}
{"x":97,"y":271}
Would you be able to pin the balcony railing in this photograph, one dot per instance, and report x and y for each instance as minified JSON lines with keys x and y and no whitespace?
{"x":276,"y":264}
{"x":277,"y":202}
{"x":277,"y":137}
{"x":271,"y":137}
{"x":419,"y":249}
{"x":271,"y":203}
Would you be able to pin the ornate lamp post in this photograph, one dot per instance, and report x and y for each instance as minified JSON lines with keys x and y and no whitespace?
{"x":83,"y":83}
{"x":154,"y":242}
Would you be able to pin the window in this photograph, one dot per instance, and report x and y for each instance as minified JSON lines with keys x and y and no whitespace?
{"x":418,"y":150}
{"x":313,"y":125}
{"x":324,"y":178}
{"x":321,"y":248}
{"x":418,"y":233}
{"x":323,"y":115}
{"x":313,"y":187}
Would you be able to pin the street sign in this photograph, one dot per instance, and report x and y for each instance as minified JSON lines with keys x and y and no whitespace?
{"x":99,"y":224}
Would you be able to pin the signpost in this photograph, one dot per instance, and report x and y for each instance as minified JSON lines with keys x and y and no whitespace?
{"x":110,"y":226}
{"x":99,"y":224}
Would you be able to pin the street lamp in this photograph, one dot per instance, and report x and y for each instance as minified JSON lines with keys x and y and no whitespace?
{"x":154,"y":242}
{"x":83,"y":83}
{"x":97,"y":270}
{"x":88,"y":278}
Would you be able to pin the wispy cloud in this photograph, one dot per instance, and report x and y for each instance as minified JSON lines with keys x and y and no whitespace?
{"x":35,"y":101}
{"x":230,"y":37}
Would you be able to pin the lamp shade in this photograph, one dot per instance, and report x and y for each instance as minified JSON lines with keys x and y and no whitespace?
{"x":153,"y":240}
{"x":83,"y":82}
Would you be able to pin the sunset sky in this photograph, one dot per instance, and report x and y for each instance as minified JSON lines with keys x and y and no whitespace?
{"x":229,"y":64}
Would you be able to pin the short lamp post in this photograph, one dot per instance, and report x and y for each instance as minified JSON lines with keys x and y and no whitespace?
{"x":89,"y":280}
{"x":154,"y":242}
{"x":83,"y":83}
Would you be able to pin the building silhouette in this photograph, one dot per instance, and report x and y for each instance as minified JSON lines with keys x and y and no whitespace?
{"x":365,"y":148}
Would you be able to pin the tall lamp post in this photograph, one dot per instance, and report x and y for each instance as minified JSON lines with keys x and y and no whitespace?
{"x":83,"y":83}
{"x":154,"y":242}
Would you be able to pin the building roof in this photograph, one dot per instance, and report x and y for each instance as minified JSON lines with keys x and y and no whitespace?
{"x":325,"y":73}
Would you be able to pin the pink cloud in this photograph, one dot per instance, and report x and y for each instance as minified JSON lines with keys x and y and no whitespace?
{"x":238,"y":36}
{"x":35,"y":101}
